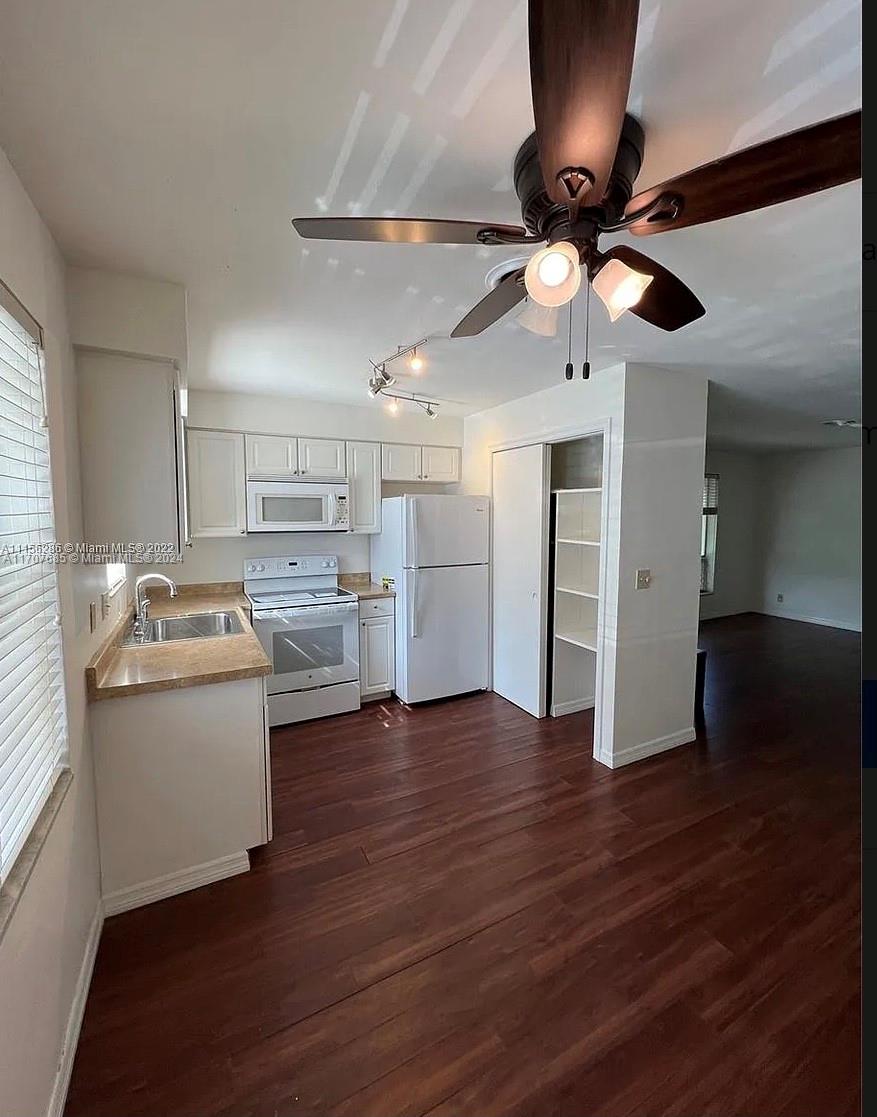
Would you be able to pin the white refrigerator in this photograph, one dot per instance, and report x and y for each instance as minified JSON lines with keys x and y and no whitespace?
{"x":436,"y":549}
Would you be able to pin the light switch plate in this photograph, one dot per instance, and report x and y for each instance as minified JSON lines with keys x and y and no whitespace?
{"x":643,"y":578}
{"x":92,"y":615}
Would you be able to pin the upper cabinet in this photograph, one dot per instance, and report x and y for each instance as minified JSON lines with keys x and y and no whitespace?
{"x":217,"y":485}
{"x":322,"y":459}
{"x":400,"y":462}
{"x":364,"y":471}
{"x":277,"y":457}
{"x":132,"y":454}
{"x":273,"y":456}
{"x":441,"y":463}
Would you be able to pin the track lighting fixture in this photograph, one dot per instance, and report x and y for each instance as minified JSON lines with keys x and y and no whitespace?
{"x":415,"y":361}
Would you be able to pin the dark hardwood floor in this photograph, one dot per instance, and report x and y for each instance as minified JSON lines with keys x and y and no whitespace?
{"x":462,"y":914}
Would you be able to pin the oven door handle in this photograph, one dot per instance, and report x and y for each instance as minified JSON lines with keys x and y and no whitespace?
{"x":340,"y":608}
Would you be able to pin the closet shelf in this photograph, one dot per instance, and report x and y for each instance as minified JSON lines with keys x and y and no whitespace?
{"x":582,"y":638}
{"x":581,"y":542}
{"x":578,"y":490}
{"x":578,"y":593}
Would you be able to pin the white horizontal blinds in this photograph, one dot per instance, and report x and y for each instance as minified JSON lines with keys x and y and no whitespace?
{"x":711,"y":493}
{"x":33,"y":731}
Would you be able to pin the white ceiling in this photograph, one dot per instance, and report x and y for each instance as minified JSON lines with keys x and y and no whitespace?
{"x":176,"y":138}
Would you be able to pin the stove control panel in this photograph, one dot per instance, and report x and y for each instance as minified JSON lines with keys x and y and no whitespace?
{"x":290,"y":566}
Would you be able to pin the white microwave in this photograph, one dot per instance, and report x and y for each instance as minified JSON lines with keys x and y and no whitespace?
{"x":297,"y":506}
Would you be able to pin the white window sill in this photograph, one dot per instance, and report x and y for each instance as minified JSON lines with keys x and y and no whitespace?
{"x":13,"y":887}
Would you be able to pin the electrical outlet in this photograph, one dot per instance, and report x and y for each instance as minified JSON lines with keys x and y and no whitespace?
{"x":643,"y":578}
{"x":779,"y":599}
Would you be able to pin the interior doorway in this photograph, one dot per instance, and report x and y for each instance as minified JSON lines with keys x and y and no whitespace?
{"x":548,"y":594}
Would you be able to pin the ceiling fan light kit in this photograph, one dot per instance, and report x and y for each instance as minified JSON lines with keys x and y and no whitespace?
{"x":575,"y":174}
{"x":619,"y":287}
{"x":538,"y":319}
{"x":553,"y":275}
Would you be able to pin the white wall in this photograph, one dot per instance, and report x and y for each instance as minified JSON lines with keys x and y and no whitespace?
{"x":738,"y":572}
{"x":810,"y":547}
{"x":661,"y":491}
{"x":43,"y":947}
{"x":285,"y":415}
{"x":657,"y":421}
{"x":127,"y":314}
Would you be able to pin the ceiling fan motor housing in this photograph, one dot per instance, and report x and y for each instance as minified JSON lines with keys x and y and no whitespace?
{"x":543,"y":217}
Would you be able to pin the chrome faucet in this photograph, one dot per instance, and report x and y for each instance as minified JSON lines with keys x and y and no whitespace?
{"x":141,"y":602}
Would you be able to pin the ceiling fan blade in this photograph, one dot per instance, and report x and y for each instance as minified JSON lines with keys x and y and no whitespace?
{"x":506,"y":294}
{"x":666,"y":303}
{"x":404,"y":230}
{"x":581,"y":54}
{"x":790,"y":166}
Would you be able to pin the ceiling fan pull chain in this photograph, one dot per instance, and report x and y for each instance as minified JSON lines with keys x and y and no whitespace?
{"x":569,"y":370}
{"x":586,"y":367}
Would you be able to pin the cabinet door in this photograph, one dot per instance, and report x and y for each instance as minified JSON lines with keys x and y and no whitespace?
{"x":272,"y":456}
{"x":400,"y":462}
{"x":321,"y":458}
{"x":364,"y":471}
{"x":441,"y":463}
{"x":217,"y":484}
{"x":377,"y":673}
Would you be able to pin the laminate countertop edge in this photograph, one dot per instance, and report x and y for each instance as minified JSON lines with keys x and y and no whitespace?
{"x":117,"y":672}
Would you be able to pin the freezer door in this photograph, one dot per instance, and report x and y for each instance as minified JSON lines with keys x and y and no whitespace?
{"x":444,"y":612}
{"x":446,"y":530}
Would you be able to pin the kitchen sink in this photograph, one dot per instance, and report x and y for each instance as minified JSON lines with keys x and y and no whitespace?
{"x":195,"y":626}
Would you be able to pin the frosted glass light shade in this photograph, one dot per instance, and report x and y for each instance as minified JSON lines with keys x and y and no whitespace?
{"x":538,"y":319}
{"x":619,"y":287}
{"x":553,"y":274}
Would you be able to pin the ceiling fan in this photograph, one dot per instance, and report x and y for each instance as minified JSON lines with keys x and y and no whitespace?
{"x":574,"y":177}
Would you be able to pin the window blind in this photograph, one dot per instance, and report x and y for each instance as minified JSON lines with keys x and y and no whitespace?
{"x":33,"y":729}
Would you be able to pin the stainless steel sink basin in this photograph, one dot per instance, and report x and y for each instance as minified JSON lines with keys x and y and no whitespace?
{"x":196,"y":626}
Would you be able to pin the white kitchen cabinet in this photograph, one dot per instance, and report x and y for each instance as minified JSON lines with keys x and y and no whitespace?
{"x":132,"y":453}
{"x":217,"y":484}
{"x":440,"y":463}
{"x":364,"y":473}
{"x":377,"y":652}
{"x":272,"y":457}
{"x":183,"y":788}
{"x":400,"y":462}
{"x":322,"y":459}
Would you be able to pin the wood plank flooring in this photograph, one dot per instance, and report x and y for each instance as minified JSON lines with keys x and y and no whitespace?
{"x":462,"y":914}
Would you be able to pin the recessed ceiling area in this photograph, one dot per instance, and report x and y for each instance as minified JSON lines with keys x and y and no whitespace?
{"x":177,"y":138}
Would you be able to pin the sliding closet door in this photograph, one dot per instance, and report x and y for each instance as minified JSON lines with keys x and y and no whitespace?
{"x":520,"y":566}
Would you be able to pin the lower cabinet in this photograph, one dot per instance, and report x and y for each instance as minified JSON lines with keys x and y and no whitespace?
{"x":183,"y":788}
{"x":377,"y":647}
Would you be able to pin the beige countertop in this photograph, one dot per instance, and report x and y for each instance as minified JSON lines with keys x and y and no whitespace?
{"x":361,"y":585}
{"x":115,"y":671}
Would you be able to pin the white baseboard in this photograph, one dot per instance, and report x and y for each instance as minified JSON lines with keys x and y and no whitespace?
{"x":648,"y":748}
{"x":558,"y":709}
{"x":74,"y":1020}
{"x":174,"y":883}
{"x":826,"y":622}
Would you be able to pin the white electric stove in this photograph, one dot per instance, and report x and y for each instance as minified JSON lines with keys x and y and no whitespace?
{"x":309,"y":628}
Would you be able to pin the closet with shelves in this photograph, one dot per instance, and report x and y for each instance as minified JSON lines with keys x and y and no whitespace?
{"x":574,"y":573}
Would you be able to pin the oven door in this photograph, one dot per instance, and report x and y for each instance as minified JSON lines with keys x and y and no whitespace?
{"x":310,"y":645}
{"x":296,"y":506}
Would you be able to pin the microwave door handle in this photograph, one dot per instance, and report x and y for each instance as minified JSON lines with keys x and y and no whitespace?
{"x":332,"y":504}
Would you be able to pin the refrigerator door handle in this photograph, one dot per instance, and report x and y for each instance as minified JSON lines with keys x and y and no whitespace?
{"x":414,"y":532}
{"x":413,"y":617}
